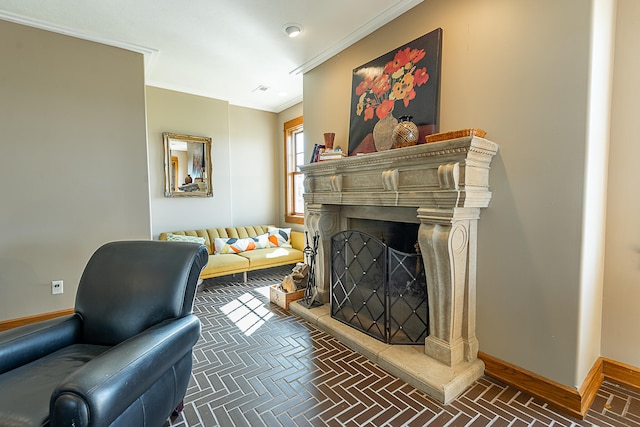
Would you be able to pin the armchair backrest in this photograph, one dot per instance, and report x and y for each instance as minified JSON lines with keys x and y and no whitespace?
{"x":129,"y":286}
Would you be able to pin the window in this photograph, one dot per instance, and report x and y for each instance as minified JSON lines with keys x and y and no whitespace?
{"x":294,"y":157}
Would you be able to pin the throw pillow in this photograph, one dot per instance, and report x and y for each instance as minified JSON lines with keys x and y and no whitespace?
{"x":233,"y":245}
{"x":179,"y":238}
{"x":279,"y":237}
{"x":262,"y":241}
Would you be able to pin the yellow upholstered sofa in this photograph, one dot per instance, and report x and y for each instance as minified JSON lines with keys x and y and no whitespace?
{"x":226,"y":261}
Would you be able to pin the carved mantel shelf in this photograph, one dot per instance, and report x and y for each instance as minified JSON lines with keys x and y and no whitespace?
{"x":447,"y":174}
{"x":442,"y":186}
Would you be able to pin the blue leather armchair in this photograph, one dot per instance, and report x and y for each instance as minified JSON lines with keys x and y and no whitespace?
{"x":124,"y":358}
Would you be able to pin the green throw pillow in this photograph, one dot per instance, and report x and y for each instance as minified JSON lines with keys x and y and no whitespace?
{"x":180,"y":238}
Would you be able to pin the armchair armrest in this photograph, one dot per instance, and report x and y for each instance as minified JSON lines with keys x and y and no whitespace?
{"x":25,"y":344}
{"x":103,"y":388}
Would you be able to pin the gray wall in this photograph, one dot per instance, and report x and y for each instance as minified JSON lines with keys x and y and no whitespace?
{"x":169,"y":111}
{"x":74,"y":163}
{"x":244,"y":156}
{"x":256,"y":167}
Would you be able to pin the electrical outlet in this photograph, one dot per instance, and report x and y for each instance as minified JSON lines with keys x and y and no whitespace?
{"x":56,"y":287}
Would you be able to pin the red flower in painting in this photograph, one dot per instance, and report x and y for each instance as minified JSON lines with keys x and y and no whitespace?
{"x":400,"y":60}
{"x":409,"y":96}
{"x":421,"y":77}
{"x":380,"y":85}
{"x":368,"y":113}
{"x":395,"y":82}
{"x":364,"y":85}
{"x":384,"y":108}
{"x":416,"y":55}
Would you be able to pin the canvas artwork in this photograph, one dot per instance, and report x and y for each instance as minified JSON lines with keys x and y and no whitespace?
{"x":403,"y":82}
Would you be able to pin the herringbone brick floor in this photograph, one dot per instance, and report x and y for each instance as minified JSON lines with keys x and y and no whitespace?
{"x":256,"y":365}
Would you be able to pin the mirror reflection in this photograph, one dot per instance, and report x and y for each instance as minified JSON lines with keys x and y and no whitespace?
{"x":187,"y":165}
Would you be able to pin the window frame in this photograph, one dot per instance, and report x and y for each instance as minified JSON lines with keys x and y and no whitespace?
{"x":291,"y":127}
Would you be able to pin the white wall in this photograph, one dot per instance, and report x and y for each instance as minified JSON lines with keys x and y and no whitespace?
{"x":519,"y":70}
{"x":74,"y":165}
{"x":621,"y":336}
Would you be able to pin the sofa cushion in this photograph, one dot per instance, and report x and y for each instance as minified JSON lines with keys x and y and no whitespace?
{"x":191,"y":239}
{"x":223,"y":264}
{"x":279,"y":237}
{"x":272,"y":257}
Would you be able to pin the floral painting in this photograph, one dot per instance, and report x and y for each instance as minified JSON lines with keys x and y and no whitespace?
{"x":403,"y":82}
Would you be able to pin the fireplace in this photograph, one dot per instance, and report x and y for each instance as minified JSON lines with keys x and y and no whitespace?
{"x":441,"y":187}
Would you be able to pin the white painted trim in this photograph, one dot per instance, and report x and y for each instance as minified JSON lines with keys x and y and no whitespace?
{"x":361,"y":32}
{"x":603,"y":23}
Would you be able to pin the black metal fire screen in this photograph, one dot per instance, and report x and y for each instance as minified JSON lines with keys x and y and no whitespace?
{"x":377,"y":289}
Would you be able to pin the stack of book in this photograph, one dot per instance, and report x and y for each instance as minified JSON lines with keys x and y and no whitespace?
{"x":333,"y":154}
{"x":315,"y":155}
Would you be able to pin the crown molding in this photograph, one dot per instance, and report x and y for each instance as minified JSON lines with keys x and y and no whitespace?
{"x":288,"y":104}
{"x":361,"y":32}
{"x":150,"y":54}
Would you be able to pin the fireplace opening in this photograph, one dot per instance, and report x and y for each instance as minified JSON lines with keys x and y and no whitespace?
{"x":378,"y":283}
{"x":402,"y":236}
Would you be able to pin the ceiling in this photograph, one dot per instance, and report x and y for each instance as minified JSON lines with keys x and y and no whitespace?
{"x":233,"y":50}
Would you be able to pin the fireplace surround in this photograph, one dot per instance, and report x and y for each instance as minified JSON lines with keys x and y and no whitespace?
{"x":441,"y":186}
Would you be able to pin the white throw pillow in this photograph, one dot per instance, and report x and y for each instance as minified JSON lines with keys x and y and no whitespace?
{"x":279,"y":237}
{"x":232,"y":245}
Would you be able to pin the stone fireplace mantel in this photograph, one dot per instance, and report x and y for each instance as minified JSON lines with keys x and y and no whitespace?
{"x":441,"y":186}
{"x":441,"y":175}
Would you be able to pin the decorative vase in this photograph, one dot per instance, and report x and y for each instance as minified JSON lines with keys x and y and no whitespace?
{"x":328,"y":140}
{"x":383,"y":132}
{"x":405,"y":133}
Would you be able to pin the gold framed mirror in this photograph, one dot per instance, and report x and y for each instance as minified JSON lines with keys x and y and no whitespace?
{"x":187,"y":165}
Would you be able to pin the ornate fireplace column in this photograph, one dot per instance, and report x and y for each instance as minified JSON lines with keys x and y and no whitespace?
{"x":447,"y":241}
{"x":325,"y":220}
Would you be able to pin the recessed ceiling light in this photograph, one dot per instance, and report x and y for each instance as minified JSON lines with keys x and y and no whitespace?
{"x":293,"y":30}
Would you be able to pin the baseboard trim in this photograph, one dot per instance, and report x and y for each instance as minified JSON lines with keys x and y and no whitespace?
{"x":566,"y":399}
{"x":560,"y":396}
{"x":590,"y":386}
{"x":620,"y":373}
{"x":14,"y":323}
